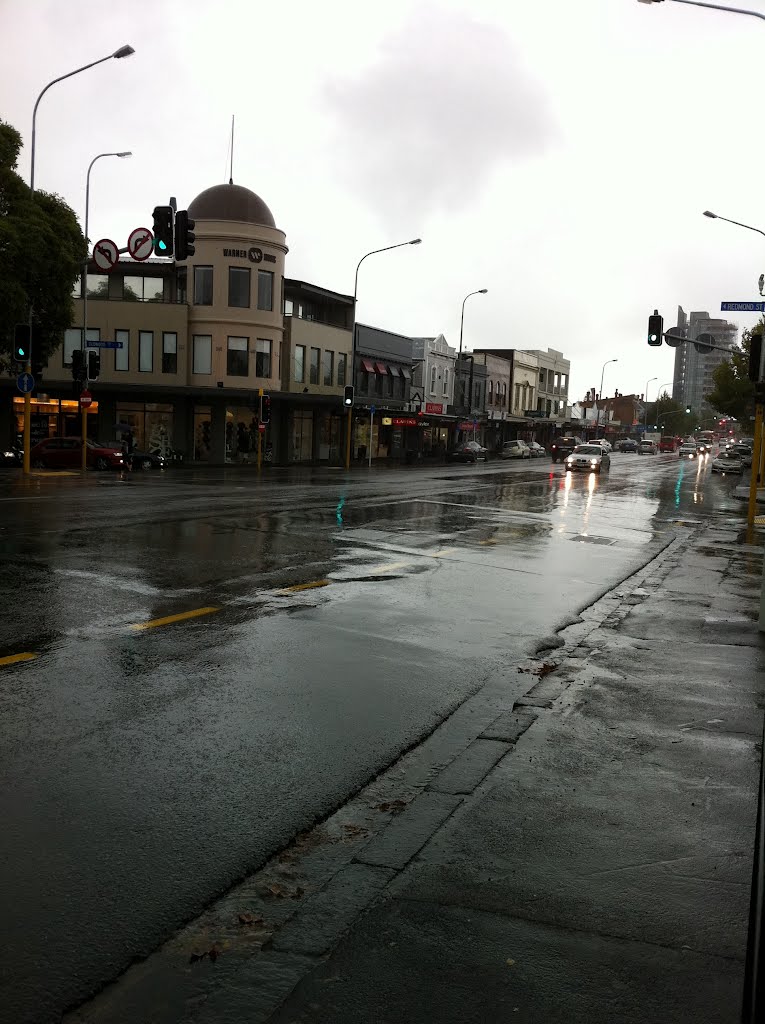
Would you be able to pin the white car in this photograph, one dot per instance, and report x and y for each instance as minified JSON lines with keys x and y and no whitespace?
{"x":588,"y":456}
{"x":605,"y":445}
{"x":515,"y":450}
{"x":688,"y":451}
{"x":728,"y":462}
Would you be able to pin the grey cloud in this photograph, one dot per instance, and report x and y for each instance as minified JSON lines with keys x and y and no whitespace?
{"x":447,"y":102}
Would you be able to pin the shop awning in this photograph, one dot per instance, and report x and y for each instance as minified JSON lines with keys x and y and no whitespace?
{"x":393,"y":371}
{"x":367,"y":366}
{"x":381,"y":368}
{"x":406,"y":373}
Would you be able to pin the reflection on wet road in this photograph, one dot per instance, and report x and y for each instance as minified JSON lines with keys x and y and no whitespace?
{"x":198,"y":666}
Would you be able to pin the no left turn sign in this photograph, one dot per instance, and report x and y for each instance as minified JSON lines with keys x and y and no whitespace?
{"x":106,"y":254}
{"x":140,"y":244}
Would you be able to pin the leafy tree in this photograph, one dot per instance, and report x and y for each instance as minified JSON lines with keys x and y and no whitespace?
{"x":42,"y":250}
{"x":670,"y":416}
{"x":734,"y":392}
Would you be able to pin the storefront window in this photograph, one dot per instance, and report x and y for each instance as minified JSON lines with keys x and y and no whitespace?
{"x":242,"y":434}
{"x":302,"y":437}
{"x":330,"y":431}
{"x":202,"y":417}
{"x":53,"y":418}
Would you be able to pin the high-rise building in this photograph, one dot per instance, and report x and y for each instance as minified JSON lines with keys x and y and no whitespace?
{"x":694,"y":371}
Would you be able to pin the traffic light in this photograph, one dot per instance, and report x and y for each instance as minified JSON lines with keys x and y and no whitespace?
{"x":78,"y":365}
{"x":688,"y":410}
{"x":348,"y":398}
{"x":184,"y":235}
{"x":94,"y":364}
{"x":655,"y":328}
{"x":755,"y":358}
{"x":22,"y":344}
{"x":265,"y":409}
{"x":163,"y":230}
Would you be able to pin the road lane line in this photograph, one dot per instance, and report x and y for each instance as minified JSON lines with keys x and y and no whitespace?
{"x":167,"y":619}
{"x":443,"y":553}
{"x":387,"y":568}
{"x":13,"y":659}
{"x":303,"y":586}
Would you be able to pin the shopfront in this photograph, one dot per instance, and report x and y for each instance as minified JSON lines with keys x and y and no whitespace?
{"x":54,"y":417}
{"x":145,"y":426}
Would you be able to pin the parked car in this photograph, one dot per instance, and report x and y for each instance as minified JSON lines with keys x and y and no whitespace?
{"x":65,"y":453}
{"x":605,"y":445}
{"x":588,"y":456}
{"x":515,"y":450}
{"x":462,"y":453}
{"x":688,"y":450}
{"x":647,"y":448}
{"x":728,"y":462}
{"x":627,"y":445}
{"x":563,"y":446}
{"x":668,"y":444}
{"x":11,"y":456}
{"x":537,"y":450}
{"x":480,"y":451}
{"x":743,"y":451}
{"x":146,"y":460}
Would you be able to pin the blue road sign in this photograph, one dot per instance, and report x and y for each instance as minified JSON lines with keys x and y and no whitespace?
{"x":25,"y":382}
{"x":372,"y":409}
{"x":742,"y":307}
{"x":105,"y":344}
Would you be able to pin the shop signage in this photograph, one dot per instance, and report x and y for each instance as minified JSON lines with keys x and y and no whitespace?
{"x":434,"y":408}
{"x":253,"y":254}
{"x":404,"y":421}
{"x":387,"y":421}
{"x":467,"y":425}
{"x":534,"y":414}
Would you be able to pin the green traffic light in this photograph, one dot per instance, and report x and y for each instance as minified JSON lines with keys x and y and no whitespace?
{"x":161,"y":245}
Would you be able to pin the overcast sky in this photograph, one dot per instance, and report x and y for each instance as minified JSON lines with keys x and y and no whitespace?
{"x":557,"y":152}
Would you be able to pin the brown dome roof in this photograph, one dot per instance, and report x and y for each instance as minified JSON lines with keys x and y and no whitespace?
{"x":231,"y":202}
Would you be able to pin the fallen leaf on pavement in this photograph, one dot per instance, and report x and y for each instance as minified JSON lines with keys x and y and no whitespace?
{"x":249,"y":919}
{"x":356,"y":830}
{"x":546,"y":668}
{"x":388,"y":806}
{"x":510,"y":963}
{"x":213,"y":954}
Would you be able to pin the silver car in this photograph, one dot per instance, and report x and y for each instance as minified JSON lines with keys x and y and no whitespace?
{"x":588,"y":456}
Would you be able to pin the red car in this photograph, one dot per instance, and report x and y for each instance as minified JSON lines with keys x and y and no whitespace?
{"x":66,"y":453}
{"x":668,"y":444}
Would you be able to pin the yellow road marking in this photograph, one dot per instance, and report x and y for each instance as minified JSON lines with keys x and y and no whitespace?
{"x":443,"y":553}
{"x":12,"y":659}
{"x":304,"y":586}
{"x":388,"y":568}
{"x":167,"y":619}
{"x":487,"y":542}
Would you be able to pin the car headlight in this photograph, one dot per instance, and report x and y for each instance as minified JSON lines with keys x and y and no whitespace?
{"x":593,"y":462}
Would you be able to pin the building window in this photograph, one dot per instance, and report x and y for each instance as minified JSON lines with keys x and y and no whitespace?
{"x":72,"y":340}
{"x":342,"y":361}
{"x":491,"y":393}
{"x":314,"y":379}
{"x":98,"y":286}
{"x":142,"y":289}
{"x":446,"y":383}
{"x":203,"y":286}
{"x":181,"y":279}
{"x":122,"y":355}
{"x":564,"y":382}
{"x":169,"y":352}
{"x":239,"y":287}
{"x":542,"y":378}
{"x":288,"y":307}
{"x":237,"y":361}
{"x":265,"y":290}
{"x":263,"y":357}
{"x":364,"y":388}
{"x":504,"y":394}
{"x":300,"y":363}
{"x":329,"y":368}
{"x":202,"y":354}
{"x":389,"y":385}
{"x":432,"y":380}
{"x":146,"y":351}
{"x":400,"y":387}
{"x":478,"y":396}
{"x":77,"y":288}
{"x":379,"y":384}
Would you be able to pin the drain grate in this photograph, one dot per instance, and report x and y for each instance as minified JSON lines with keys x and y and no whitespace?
{"x":582,"y":539}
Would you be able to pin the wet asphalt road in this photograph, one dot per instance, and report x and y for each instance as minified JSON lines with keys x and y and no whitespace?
{"x":148,"y":765}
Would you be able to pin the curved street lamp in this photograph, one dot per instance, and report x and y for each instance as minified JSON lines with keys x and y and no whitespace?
{"x":480,"y":291}
{"x":602,"y":374}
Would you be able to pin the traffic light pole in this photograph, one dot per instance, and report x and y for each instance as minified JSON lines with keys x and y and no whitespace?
{"x":756,"y":455}
{"x":260,"y":432}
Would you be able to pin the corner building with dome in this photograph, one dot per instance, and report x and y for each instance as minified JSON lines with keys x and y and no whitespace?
{"x":186,"y":348}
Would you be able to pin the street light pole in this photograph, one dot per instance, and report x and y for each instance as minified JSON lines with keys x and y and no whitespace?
{"x":597,"y":407}
{"x":84,"y":285}
{"x":479,"y":291}
{"x":373,"y":252}
{"x":124,"y":51}
{"x":645,"y":404}
{"x":714,"y":7}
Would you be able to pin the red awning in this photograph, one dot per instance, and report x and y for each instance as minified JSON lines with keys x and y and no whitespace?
{"x":381,"y":367}
{"x":367,"y":366}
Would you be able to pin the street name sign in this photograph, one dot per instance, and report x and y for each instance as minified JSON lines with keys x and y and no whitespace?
{"x":105,"y":344}
{"x":742,"y":307}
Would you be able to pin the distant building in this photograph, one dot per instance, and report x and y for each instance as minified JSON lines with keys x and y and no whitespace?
{"x":552,"y":387}
{"x":433,"y":360}
{"x":693,"y":378}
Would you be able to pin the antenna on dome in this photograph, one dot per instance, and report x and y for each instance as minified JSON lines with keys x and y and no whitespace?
{"x":231,"y":171}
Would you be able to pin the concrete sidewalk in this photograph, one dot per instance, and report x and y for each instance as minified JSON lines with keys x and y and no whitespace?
{"x":573,"y":844}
